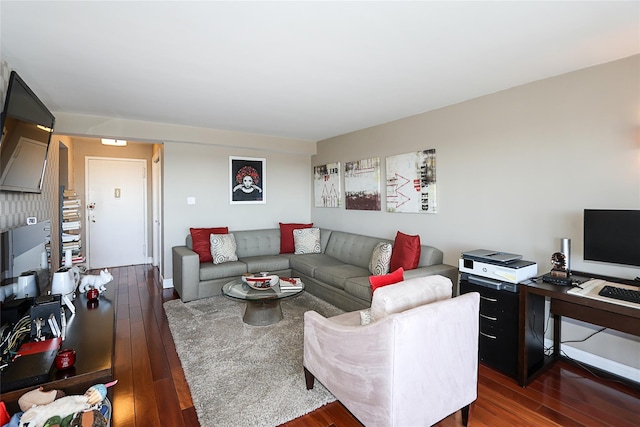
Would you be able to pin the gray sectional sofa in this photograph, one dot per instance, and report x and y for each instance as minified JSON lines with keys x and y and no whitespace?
{"x":338,"y":275}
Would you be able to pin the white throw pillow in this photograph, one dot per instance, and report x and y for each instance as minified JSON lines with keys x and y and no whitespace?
{"x":307,"y":240}
{"x":223,"y":248}
{"x":380,"y":259}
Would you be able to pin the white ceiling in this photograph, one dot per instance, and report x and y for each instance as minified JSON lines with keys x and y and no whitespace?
{"x":306,"y":70}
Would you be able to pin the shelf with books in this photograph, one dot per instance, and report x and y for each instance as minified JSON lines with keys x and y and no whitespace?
{"x":70,"y":227}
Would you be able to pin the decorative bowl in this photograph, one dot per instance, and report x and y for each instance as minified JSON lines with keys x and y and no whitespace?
{"x":261,"y":283}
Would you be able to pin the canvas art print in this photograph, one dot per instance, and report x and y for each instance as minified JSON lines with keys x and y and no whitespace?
{"x":247,"y":180}
{"x":362,"y":185}
{"x":411,"y":182}
{"x":326,"y":183}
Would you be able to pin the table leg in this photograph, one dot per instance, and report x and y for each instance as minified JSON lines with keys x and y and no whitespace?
{"x":263,"y":312}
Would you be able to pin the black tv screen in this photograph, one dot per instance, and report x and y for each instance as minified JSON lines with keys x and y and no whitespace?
{"x":27,"y":126}
{"x":612,"y":236}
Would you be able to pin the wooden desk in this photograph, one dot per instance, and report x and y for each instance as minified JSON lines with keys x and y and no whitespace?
{"x":90,"y":332}
{"x":596,"y":312}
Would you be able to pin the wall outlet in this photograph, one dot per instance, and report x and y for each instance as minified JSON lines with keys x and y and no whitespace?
{"x":32,"y":220}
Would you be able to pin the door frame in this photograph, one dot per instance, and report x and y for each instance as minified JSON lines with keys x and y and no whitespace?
{"x":156,"y":185}
{"x":86,"y":196}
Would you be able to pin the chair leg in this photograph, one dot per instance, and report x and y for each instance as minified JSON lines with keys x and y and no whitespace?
{"x":309,"y":379}
{"x":467,"y":412}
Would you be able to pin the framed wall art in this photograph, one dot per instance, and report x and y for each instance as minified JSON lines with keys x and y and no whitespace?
{"x":411,"y":182}
{"x":362,"y":185}
{"x":247,"y":178}
{"x":326,"y":185}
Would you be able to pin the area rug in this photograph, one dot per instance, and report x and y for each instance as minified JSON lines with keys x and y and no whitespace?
{"x":243,"y":375}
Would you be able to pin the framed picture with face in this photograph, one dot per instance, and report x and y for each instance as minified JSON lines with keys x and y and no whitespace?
{"x":247,"y":178}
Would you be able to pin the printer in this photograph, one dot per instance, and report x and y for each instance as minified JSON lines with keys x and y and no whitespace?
{"x":496,"y":269}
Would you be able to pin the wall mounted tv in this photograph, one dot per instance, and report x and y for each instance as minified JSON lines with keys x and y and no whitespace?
{"x":612,"y":236}
{"x":27,"y":126}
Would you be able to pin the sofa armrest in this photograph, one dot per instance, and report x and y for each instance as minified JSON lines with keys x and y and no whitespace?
{"x":186,"y":272}
{"x":442,"y":269}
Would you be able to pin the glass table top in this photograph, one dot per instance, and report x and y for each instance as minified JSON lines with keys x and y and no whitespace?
{"x":240,"y":290}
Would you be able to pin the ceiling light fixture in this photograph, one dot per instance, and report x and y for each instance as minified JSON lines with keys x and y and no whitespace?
{"x":44,"y":128}
{"x":114,"y":142}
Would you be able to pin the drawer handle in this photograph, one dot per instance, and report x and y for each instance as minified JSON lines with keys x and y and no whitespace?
{"x":488,"y":336}
{"x":489,"y":317}
{"x":488,"y":299}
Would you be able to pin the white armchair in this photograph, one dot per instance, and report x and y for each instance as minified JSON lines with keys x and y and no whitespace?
{"x":413,"y":365}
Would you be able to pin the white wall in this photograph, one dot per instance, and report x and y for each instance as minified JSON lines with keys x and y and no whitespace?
{"x":515,"y":170}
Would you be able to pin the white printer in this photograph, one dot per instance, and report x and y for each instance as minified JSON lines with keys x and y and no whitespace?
{"x":499,"y":267}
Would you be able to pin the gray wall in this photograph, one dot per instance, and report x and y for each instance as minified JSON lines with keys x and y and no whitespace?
{"x":202,"y":171}
{"x":515,"y":170}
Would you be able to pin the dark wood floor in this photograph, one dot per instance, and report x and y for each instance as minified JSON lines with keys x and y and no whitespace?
{"x":152,"y":391}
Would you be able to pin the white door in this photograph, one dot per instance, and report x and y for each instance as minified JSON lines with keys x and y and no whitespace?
{"x":116,"y":200}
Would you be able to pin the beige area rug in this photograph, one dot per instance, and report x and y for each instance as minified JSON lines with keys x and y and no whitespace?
{"x":243,"y":375}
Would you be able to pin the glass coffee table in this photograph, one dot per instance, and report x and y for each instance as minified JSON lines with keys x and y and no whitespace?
{"x":263,"y":306}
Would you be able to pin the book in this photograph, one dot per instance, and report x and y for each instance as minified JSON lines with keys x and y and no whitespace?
{"x":290,"y":284}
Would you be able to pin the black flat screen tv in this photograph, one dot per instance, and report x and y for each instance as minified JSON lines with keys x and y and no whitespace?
{"x":612,"y":236}
{"x":27,"y":126}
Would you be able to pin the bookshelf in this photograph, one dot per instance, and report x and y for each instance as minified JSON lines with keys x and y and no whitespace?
{"x":70,"y":227}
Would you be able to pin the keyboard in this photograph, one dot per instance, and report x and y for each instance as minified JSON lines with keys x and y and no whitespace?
{"x":622,"y":294}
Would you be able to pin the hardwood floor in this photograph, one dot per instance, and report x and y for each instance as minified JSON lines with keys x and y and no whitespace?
{"x":152,"y":391}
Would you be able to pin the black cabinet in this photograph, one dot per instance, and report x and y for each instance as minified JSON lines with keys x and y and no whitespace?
{"x":499,"y":330}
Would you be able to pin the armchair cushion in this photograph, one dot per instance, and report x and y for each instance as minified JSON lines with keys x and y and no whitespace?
{"x":409,"y":294}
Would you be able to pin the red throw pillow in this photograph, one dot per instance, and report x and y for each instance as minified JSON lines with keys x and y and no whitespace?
{"x":202,"y":243}
{"x":406,"y":252}
{"x":286,"y":236}
{"x":386,"y":279}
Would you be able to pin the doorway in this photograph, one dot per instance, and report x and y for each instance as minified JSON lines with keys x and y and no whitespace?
{"x":116,"y":220}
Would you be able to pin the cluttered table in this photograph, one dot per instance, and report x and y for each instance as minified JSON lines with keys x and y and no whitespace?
{"x":90,"y":333}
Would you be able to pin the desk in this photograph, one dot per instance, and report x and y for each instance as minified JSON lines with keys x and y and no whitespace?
{"x":596,"y":312}
{"x":90,"y":331}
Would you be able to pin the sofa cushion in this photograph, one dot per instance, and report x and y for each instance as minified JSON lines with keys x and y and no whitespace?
{"x":308,"y":263}
{"x":200,"y":241}
{"x":358,"y":287}
{"x":406,"y":252}
{"x":336,"y":275}
{"x":256,"y":264}
{"x":230,"y":270}
{"x":223,"y":248}
{"x":380,"y":258}
{"x":286,"y":236}
{"x":350,"y":248}
{"x":306,"y":240}
{"x":257,"y":242}
{"x":409,"y":294}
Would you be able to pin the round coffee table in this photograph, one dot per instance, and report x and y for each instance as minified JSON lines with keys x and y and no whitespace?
{"x":263,"y":306}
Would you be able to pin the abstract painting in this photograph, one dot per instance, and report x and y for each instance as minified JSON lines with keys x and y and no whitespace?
{"x":326,"y":181}
{"x":411,"y":182}
{"x":362,"y":185}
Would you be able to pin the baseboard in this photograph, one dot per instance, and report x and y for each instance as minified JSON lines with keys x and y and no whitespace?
{"x":167,"y":283}
{"x":611,"y":366}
